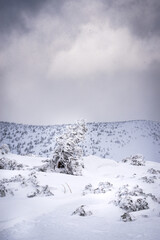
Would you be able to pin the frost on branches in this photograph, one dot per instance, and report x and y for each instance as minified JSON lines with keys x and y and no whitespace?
{"x":68,"y":153}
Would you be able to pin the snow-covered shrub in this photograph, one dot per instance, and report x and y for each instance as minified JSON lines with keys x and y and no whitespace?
{"x":10,"y":164}
{"x":68,"y":153}
{"x":102,"y":187}
{"x":125,"y":190}
{"x":45,"y":191}
{"x":41,"y":191}
{"x":153,"y":171}
{"x":45,"y":167}
{"x":153,"y":197}
{"x":5,"y":182}
{"x":38,"y":190}
{"x":17,"y":178}
{"x":31,"y":182}
{"x":33,"y":179}
{"x":81,"y":211}
{"x":131,"y":200}
{"x":45,"y":161}
{"x":149,"y":179}
{"x":127,"y":217}
{"x":88,"y":189}
{"x":4,"y":149}
{"x":32,"y":194}
{"x":136,"y":160}
{"x":4,"y":191}
{"x":132,"y":204}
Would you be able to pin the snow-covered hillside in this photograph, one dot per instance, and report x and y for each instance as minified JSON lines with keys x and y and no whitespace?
{"x":108,"y":140}
{"x":111,"y":200}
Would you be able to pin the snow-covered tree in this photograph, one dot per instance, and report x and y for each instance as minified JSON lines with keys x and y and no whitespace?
{"x":4,"y":149}
{"x":68,"y":152}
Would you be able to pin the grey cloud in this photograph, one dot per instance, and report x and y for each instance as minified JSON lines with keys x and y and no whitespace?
{"x":12,"y":13}
{"x":70,"y":63}
{"x":142,"y":17}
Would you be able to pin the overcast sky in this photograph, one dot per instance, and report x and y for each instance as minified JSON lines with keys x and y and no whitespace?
{"x":64,"y":60}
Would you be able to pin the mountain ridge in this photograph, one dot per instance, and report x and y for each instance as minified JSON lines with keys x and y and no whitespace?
{"x":65,"y":124}
{"x":115,"y":140}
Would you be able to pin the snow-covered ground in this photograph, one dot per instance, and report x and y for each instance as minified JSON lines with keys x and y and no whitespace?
{"x":119,"y":201}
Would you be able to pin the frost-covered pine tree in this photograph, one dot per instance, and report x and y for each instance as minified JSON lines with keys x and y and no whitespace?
{"x":68,"y":152}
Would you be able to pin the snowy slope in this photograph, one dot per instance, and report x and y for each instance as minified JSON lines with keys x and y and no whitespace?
{"x":108,"y":140}
{"x":105,"y":190}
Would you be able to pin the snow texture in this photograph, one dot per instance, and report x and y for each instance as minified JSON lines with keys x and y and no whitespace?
{"x":109,"y":201}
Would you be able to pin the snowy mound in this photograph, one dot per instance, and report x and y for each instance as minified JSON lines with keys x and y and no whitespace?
{"x":111,"y":200}
{"x":96,"y":165}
